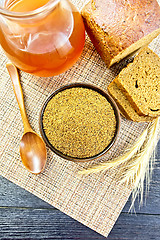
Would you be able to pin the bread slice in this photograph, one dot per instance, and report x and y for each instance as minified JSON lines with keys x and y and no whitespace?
{"x":140,"y":82}
{"x":124,"y":105}
{"x":119,"y":28}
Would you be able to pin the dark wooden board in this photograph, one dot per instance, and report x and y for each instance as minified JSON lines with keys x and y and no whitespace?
{"x":24,"y":216}
{"x":52,"y":224}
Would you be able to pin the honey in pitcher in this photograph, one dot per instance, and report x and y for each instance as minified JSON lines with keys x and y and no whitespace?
{"x":47,"y":44}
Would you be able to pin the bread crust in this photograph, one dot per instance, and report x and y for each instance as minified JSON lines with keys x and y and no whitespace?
{"x":115,"y":25}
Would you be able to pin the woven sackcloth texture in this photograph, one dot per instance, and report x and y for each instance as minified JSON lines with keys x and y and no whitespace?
{"x":95,"y":200}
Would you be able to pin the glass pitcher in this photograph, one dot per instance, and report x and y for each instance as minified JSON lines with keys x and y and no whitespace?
{"x":41,"y":37}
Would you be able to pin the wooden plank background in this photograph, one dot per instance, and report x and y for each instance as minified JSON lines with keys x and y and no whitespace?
{"x":24,"y":216}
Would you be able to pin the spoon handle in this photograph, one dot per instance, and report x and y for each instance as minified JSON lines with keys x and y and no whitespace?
{"x":19,"y":94}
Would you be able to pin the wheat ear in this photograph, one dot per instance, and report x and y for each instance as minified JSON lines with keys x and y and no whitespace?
{"x":138,"y":162}
{"x":140,"y":167}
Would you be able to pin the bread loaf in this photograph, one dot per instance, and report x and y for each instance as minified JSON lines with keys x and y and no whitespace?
{"x":124,"y":105}
{"x":140,"y":82}
{"x":118,"y":28}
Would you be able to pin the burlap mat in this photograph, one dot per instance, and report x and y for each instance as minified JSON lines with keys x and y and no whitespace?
{"x":95,"y":200}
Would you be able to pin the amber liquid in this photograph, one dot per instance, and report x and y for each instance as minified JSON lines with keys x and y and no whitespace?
{"x":48,"y":46}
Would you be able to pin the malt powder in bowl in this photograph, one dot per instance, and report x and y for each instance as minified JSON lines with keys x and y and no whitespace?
{"x":79,"y":122}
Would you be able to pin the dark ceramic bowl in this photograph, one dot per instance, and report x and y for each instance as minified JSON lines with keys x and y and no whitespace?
{"x":110,"y":100}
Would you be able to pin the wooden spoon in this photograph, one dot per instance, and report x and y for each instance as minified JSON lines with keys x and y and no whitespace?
{"x":32,"y":147}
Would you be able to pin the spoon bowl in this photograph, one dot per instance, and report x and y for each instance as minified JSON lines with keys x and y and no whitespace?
{"x":32,"y":148}
{"x":33,"y":152}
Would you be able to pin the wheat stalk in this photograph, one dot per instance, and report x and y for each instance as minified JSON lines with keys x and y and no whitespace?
{"x":120,"y":160}
{"x":137,"y":163}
